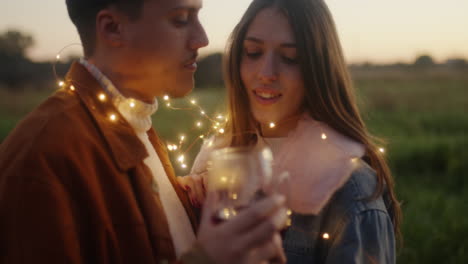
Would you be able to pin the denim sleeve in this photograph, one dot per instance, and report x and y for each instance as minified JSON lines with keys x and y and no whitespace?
{"x":367,"y":237}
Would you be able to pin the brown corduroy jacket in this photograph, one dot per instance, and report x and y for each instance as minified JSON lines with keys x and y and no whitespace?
{"x":74,"y":188}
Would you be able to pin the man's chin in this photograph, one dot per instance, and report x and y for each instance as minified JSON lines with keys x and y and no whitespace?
{"x":181,"y":90}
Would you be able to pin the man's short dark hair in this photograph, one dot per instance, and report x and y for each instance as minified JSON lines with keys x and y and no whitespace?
{"x":83,"y":14}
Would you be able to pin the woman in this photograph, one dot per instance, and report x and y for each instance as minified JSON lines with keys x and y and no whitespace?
{"x":289,"y":88}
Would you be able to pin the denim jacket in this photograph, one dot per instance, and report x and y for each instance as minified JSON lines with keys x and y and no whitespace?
{"x":347,"y":230}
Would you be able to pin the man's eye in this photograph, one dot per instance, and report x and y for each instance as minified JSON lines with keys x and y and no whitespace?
{"x":181,"y":20}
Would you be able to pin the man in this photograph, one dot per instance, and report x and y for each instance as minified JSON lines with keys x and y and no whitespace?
{"x":84,"y":177}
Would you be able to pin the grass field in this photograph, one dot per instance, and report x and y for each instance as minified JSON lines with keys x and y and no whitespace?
{"x":424,"y":119}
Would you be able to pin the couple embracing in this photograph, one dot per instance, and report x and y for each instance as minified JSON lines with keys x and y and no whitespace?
{"x":86,"y":179}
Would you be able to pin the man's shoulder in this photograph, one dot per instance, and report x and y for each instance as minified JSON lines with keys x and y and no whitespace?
{"x":59,"y":122}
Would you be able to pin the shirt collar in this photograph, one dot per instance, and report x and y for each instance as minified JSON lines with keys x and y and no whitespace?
{"x":136,"y":112}
{"x":125,"y":147}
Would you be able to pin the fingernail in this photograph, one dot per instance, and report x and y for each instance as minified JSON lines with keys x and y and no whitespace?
{"x":279,"y":199}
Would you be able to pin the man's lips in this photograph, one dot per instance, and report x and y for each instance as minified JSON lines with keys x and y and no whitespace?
{"x":266,"y":96}
{"x":191,"y":65}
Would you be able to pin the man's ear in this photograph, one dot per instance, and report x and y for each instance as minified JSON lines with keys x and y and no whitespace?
{"x":109,"y":27}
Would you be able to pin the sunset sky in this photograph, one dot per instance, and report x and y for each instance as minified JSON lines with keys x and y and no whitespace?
{"x":370,"y":30}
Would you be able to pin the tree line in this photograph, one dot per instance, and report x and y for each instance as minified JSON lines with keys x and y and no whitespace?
{"x":18,"y":72}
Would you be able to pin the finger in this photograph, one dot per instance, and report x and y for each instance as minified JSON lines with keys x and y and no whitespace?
{"x":270,"y":252}
{"x":204,"y":176}
{"x":256,"y":214}
{"x":209,"y":209}
{"x":189,"y":185}
{"x":267,"y":229}
{"x":199,"y":194}
{"x":280,"y":256}
{"x":256,"y":236}
{"x":182,"y":181}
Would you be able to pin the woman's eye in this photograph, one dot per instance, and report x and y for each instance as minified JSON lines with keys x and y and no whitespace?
{"x":252,"y":53}
{"x":289,"y":60}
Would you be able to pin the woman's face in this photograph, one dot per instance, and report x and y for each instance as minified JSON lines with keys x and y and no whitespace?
{"x":271,"y":73}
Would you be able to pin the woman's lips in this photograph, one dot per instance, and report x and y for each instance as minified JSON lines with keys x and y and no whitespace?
{"x":266,"y":96}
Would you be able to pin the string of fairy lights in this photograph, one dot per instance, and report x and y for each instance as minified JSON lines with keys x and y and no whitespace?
{"x":216,"y":124}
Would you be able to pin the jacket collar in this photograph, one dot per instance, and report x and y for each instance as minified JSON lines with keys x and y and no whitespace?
{"x":125,"y":147}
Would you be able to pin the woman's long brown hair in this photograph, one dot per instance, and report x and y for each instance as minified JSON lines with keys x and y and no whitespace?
{"x":329,"y":91}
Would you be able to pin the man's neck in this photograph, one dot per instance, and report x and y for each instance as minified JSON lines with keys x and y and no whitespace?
{"x":128,"y":88}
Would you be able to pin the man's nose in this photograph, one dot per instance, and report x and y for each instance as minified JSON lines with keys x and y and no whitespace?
{"x":199,"y":38}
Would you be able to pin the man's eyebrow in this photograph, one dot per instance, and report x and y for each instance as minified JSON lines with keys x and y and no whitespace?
{"x":284,"y":45}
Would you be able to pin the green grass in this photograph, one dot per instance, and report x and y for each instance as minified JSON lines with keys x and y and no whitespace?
{"x":424,"y":120}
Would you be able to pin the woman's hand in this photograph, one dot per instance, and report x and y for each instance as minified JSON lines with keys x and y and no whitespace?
{"x":194,"y":185}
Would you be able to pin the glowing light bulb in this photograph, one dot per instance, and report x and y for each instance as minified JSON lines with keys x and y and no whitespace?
{"x":272,"y":125}
{"x":221,"y":131}
{"x":170,"y":148}
{"x":226,"y":213}
{"x":199,"y":124}
{"x":202,"y":136}
{"x":168,"y":104}
{"x":132,"y":104}
{"x":324,"y":136}
{"x":202,"y":112}
{"x":289,"y":212}
{"x":182,"y":138}
{"x":193,"y":101}
{"x":102,"y":97}
{"x":113,"y":117}
{"x":181,"y":158}
{"x":58,"y":57}
{"x":220,"y":117}
{"x":326,"y":236}
{"x":234,"y":196}
{"x":72,"y":88}
{"x":166,"y":98}
{"x":174,"y":147}
{"x":61,"y":83}
{"x":184,"y":166}
{"x":382,"y":150}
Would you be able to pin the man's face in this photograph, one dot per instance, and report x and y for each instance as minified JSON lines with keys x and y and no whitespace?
{"x":161,"y":46}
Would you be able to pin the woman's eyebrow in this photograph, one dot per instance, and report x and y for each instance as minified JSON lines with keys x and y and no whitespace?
{"x":289,"y":45}
{"x":284,"y":45}
{"x":254,"y":39}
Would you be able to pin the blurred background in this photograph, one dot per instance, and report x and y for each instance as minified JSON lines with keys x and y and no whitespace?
{"x":409,"y":62}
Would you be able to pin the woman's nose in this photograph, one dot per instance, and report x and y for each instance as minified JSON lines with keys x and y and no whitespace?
{"x":268,"y":71}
